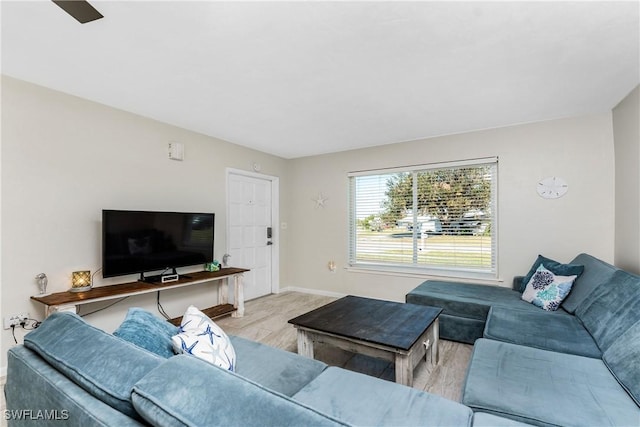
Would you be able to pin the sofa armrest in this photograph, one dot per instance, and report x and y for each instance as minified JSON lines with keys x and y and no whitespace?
{"x":517,"y":284}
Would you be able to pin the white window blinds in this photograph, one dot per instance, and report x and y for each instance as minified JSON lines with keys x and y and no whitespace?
{"x":438,"y":216}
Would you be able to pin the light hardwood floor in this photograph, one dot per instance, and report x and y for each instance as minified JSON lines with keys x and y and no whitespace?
{"x":266,"y":319}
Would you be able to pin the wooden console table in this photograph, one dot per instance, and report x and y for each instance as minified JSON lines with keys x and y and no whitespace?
{"x":53,"y":302}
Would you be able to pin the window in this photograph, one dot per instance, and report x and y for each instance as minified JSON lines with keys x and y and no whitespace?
{"x":426,"y":219}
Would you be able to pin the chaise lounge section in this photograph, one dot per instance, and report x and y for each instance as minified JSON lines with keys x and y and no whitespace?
{"x":466,"y":306}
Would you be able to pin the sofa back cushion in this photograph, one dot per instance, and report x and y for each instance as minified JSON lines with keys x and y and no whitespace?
{"x":596,"y":272}
{"x":103,"y":365}
{"x":623,"y":360}
{"x":188,"y":391}
{"x":612,"y":308}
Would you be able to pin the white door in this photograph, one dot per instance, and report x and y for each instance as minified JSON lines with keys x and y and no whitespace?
{"x":250,"y":232}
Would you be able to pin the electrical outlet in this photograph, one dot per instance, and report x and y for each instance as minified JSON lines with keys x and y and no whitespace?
{"x":15,"y":320}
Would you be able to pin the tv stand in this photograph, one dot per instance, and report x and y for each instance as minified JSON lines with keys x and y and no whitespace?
{"x":61,"y":300}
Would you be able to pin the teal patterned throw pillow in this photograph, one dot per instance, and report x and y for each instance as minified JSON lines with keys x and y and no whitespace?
{"x":546,"y":290}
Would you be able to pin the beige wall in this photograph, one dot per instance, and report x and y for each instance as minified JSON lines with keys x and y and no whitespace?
{"x":578,"y":149}
{"x":626,"y":131}
{"x":64,"y":159}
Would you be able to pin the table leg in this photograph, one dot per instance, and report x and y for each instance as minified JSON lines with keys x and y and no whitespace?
{"x":223,"y":292}
{"x":238,"y":293}
{"x":305,"y":344}
{"x":435,"y":331}
{"x":404,"y":370}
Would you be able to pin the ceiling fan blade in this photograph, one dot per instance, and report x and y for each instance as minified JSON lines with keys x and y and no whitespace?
{"x":81,"y":10}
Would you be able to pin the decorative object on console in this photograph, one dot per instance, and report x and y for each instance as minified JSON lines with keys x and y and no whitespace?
{"x":552,"y":187}
{"x":80,"y":281}
{"x":546,"y":290}
{"x":212,"y":266}
{"x":201,"y":337}
{"x":225,"y":260}
{"x":42,"y":282}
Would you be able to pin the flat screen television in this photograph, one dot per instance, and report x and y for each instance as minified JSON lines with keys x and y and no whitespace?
{"x":145,"y":241}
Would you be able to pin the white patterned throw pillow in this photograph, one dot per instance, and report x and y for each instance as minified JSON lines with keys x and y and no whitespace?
{"x":201,"y":337}
{"x":546,"y":290}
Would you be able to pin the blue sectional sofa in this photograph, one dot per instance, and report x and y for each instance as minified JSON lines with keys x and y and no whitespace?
{"x":577,"y":366}
{"x":69,"y":372}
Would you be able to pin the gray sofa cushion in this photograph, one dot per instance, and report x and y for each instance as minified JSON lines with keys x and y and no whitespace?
{"x":545,"y":387}
{"x":65,"y":341}
{"x":623,"y":359}
{"x":34,"y":385}
{"x":612,"y":308}
{"x":564,"y":334}
{"x":273,"y":368}
{"x":595,"y":273}
{"x":185,"y":390}
{"x":363,"y":400}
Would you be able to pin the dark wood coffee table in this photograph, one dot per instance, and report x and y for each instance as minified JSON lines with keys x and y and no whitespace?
{"x":400,"y":333}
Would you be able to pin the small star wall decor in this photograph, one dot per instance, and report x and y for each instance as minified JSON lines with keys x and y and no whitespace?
{"x":320,"y":201}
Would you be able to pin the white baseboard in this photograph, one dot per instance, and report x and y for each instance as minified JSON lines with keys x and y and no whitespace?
{"x":312,"y":291}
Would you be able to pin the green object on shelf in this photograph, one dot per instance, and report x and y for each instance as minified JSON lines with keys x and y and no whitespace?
{"x":212,"y":266}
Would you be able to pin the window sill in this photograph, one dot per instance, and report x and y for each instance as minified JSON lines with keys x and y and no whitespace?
{"x":488,"y":278}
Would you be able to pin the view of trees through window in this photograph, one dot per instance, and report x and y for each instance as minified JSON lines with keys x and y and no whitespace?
{"x":425,"y":218}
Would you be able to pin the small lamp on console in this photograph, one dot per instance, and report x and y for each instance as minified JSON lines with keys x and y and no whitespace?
{"x":80,"y":281}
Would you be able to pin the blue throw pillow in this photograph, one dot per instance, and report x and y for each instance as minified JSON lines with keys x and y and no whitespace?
{"x":553,"y":266}
{"x":148,"y":331}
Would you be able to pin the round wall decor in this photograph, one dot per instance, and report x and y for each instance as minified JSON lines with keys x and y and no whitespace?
{"x":552,"y":187}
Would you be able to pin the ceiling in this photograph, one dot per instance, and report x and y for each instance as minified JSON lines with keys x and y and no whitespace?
{"x":303,"y":78}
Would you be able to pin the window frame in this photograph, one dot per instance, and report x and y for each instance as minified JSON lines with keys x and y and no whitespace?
{"x":414,"y":268}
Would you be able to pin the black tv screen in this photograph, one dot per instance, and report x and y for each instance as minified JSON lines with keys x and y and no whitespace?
{"x":144,"y":241}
